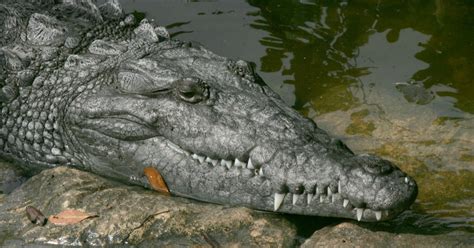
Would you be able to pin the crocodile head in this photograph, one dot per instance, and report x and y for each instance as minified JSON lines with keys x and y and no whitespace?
{"x":217,"y":133}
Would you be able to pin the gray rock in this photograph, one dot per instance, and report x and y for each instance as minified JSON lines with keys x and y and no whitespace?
{"x":10,"y":177}
{"x":351,"y":235}
{"x":131,"y":216}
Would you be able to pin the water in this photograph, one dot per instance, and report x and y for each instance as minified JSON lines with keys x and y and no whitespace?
{"x":391,"y":78}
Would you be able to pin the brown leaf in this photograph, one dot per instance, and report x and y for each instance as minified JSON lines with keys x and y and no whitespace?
{"x":70,"y":216}
{"x":35,"y":216}
{"x":156,"y":180}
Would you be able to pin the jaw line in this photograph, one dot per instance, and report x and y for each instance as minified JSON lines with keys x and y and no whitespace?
{"x":333,"y":204}
{"x":293,"y":203}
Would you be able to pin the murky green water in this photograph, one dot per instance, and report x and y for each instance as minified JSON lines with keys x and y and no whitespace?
{"x":395,"y":78}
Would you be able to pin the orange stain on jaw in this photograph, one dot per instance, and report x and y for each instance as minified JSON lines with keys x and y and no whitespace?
{"x":156,"y":180}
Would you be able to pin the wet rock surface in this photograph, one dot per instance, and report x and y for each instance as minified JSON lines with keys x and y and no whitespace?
{"x":131,"y":216}
{"x":351,"y":235}
{"x":10,"y":177}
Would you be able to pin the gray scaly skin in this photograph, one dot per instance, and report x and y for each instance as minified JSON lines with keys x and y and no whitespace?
{"x":85,"y":87}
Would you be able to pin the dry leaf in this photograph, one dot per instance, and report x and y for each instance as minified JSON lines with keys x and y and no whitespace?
{"x":70,"y":216}
{"x":156,"y":180}
{"x":35,"y":216}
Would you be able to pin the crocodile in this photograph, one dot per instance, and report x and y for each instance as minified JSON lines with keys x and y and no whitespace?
{"x":87,"y":86}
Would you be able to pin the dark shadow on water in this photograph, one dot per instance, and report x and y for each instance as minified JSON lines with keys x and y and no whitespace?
{"x":177,"y":24}
{"x":307,"y":225}
{"x":172,"y":35}
{"x":408,"y":222}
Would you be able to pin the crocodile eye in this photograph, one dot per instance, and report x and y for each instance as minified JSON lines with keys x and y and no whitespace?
{"x":192,"y":90}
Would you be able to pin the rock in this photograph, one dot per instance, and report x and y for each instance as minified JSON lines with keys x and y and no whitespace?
{"x":351,"y":235}
{"x":10,"y":177}
{"x":131,"y":216}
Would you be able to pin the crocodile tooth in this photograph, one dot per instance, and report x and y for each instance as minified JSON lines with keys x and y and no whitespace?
{"x":278,"y":200}
{"x":339,"y":186}
{"x":212,"y":161}
{"x":177,"y":148}
{"x":360,"y":212}
{"x":378,"y":215}
{"x":317,"y":191}
{"x":260,"y":171}
{"x":385,"y":212}
{"x":295,"y":198}
{"x":201,"y":159}
{"x":310,"y":197}
{"x":333,"y":198}
{"x":250,"y":165}
{"x":321,"y":199}
{"x":345,"y":203}
{"x":194,"y":156}
{"x":226,"y":163}
{"x":329,"y":192}
{"x":406,"y":179}
{"x":238,"y":163}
